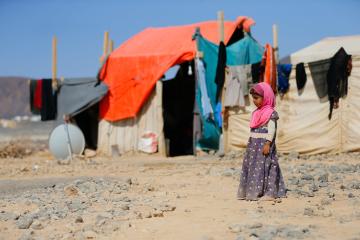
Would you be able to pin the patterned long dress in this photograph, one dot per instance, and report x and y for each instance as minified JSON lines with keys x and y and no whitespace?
{"x":261,"y":175}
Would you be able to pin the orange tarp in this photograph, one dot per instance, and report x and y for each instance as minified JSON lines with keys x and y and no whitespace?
{"x":131,"y":71}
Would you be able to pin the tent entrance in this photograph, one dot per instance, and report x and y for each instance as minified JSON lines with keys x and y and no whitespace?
{"x":178,"y":106}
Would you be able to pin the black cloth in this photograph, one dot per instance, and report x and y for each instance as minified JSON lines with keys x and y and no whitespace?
{"x":256,"y":70}
{"x":49,"y":101}
{"x":32,"y":85}
{"x":319,"y":70}
{"x":300,"y":77}
{"x":88,"y":122}
{"x":337,"y":77}
{"x":220,"y":70}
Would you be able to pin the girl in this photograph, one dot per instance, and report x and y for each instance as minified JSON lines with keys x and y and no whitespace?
{"x":261,"y":176}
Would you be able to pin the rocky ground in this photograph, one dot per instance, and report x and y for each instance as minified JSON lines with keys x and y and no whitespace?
{"x":174,"y":198}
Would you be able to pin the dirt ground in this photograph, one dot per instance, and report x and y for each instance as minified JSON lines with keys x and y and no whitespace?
{"x":175,"y":198}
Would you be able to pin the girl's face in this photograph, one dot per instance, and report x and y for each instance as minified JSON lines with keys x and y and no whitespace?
{"x":257,"y":100}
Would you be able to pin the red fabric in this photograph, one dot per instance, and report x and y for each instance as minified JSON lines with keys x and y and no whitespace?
{"x":270,"y":67}
{"x":132,"y":70}
{"x":38,"y":94}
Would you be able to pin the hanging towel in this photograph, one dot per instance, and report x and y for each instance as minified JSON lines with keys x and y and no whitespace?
{"x":220,"y":70}
{"x":300,"y":77}
{"x":284,"y":71}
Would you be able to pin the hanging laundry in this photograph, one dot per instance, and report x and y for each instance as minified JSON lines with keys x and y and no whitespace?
{"x":220,"y":70}
{"x":256,"y":72}
{"x":33,"y":87}
{"x":269,"y":62}
{"x":205,"y":100}
{"x":218,"y":114}
{"x":318,"y":71}
{"x":337,"y":77}
{"x":300,"y":77}
{"x":284,"y":71}
{"x":238,"y":79}
{"x":49,"y":101}
{"x":38,"y":94}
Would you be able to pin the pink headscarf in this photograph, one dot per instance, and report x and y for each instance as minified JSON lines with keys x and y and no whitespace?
{"x":262,"y":114}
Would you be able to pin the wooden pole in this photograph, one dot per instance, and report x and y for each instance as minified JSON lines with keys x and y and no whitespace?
{"x":111,"y":48}
{"x":105,"y":47}
{"x":221,"y":25}
{"x":224,"y":138}
{"x":54,"y":63}
{"x":275,"y":43}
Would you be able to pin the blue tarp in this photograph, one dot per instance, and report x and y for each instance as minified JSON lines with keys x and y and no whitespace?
{"x":245,"y":51}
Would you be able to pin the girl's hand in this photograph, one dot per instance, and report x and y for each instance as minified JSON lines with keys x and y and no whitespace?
{"x":266,"y":149}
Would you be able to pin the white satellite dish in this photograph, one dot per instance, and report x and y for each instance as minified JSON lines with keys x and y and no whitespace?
{"x":66,"y":140}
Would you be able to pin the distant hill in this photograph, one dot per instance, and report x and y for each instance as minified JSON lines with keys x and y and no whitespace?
{"x":14,"y":97}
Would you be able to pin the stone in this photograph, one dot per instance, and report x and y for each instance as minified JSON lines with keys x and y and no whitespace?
{"x":351,"y":195}
{"x":323,"y":184}
{"x":27,"y":235}
{"x":309,"y":212}
{"x":293,"y":155}
{"x":354,"y":185}
{"x":313,"y":188}
{"x":79,"y":219}
{"x":307,"y":177}
{"x":147,"y":215}
{"x":324,"y":177}
{"x":158,"y":213}
{"x":235,"y":228}
{"x":24,"y":222}
{"x":255,"y":225}
{"x":6,"y":216}
{"x":71,"y":190}
{"x":327,"y":213}
{"x":89,"y":235}
{"x":37,"y":225}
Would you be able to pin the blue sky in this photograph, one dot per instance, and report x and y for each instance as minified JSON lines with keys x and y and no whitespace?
{"x":27,"y":27}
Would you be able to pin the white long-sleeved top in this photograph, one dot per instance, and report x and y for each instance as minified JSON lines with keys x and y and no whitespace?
{"x":271,"y":130}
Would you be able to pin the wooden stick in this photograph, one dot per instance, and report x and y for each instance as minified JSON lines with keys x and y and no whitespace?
{"x":54,"y":63}
{"x":221,"y":25}
{"x":106,"y":43}
{"x":111,"y":48}
{"x":223,"y":92}
{"x":275,"y":43}
{"x":105,"y":47}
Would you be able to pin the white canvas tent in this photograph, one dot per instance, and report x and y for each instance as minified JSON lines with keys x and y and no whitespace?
{"x":304,"y":126}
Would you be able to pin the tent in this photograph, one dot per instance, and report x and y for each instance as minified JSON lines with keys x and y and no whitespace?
{"x":304,"y":126}
{"x":135,"y":102}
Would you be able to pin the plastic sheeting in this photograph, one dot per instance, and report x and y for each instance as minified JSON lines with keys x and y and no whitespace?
{"x":131,"y":71}
{"x":303,"y":125}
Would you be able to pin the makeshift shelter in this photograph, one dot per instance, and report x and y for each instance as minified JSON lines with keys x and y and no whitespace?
{"x":134,"y":104}
{"x":78,"y":99}
{"x":304,"y":126}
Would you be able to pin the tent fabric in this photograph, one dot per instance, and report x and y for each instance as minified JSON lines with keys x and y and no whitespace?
{"x":132,"y":70}
{"x":122,"y":137}
{"x":325,"y":48}
{"x":245,"y":51}
{"x":304,"y":126}
{"x":78,"y":94}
